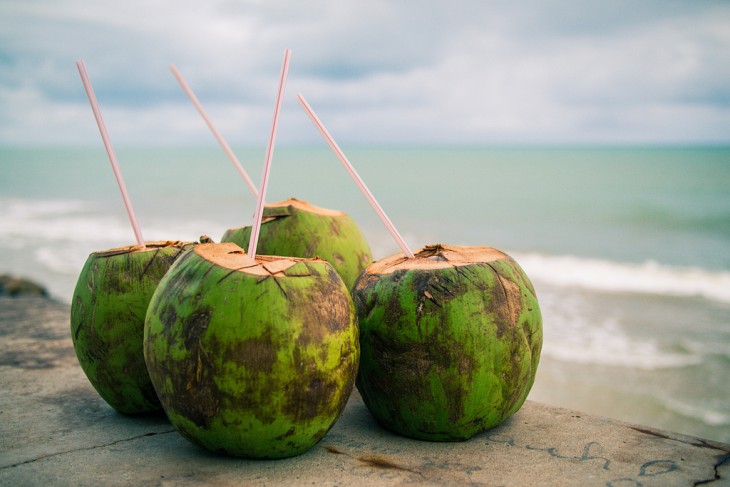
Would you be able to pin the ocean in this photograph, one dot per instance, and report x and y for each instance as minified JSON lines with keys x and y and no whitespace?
{"x":628,"y":247}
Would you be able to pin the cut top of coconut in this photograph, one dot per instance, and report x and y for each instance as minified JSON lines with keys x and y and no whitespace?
{"x":304,"y":206}
{"x":438,"y":256}
{"x":149,"y":246}
{"x":230,"y":256}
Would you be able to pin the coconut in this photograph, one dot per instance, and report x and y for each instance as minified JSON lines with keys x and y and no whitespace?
{"x":252,"y":359}
{"x":450,"y":341}
{"x":298,"y":229}
{"x":108,"y":309}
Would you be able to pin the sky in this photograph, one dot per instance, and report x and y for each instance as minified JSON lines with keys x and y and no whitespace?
{"x":381,"y":72}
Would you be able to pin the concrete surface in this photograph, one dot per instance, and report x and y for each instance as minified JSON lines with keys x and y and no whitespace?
{"x":55,"y":430}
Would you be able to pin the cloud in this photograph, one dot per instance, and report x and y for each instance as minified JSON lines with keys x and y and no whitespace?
{"x":471,"y":72}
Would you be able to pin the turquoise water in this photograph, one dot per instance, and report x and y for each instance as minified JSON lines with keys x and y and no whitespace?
{"x":632,"y":204}
{"x":628,"y":248}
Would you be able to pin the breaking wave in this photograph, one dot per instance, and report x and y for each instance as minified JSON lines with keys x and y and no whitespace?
{"x":573,"y":333}
{"x":606,"y":344}
{"x":45,"y":222}
{"x":648,"y":278}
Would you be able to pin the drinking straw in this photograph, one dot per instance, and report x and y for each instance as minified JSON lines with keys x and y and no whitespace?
{"x":355,"y":176}
{"x":226,"y":148}
{"x":256,"y":227}
{"x":110,"y":151}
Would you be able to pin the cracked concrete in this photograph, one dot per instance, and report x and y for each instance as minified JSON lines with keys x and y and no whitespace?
{"x":75,"y":450}
{"x":55,"y":430}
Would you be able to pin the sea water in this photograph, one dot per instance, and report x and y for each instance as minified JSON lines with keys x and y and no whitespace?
{"x":628,"y":248}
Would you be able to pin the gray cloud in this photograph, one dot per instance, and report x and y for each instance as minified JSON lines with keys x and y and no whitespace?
{"x":377,"y":72}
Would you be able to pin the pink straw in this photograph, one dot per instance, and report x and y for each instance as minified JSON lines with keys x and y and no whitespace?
{"x":256,"y":227}
{"x":186,"y":88}
{"x":110,"y":151}
{"x":360,"y":183}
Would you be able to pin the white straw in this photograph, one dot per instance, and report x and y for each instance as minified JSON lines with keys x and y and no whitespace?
{"x":110,"y":151}
{"x":350,"y":169}
{"x":256,"y":227}
{"x":186,"y":88}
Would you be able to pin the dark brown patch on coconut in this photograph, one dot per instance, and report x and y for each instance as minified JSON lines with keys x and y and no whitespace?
{"x":402,"y":366}
{"x":168,"y":318}
{"x":194,"y":327}
{"x":97,"y":349}
{"x":286,"y":435}
{"x":335,"y":227}
{"x":504,"y":301}
{"x":535,"y":341}
{"x":362,"y":295}
{"x":193,"y":393}
{"x":521,"y":276}
{"x":508,"y":302}
{"x":519,"y":350}
{"x":364,"y":259}
{"x":438,"y":287}
{"x":256,"y":400}
{"x":312,"y":246}
{"x":179,"y":281}
{"x":332,"y":311}
{"x":314,"y":392}
{"x":116,"y":278}
{"x":256,"y":354}
{"x":150,"y":262}
{"x":311,"y":394}
{"x":393,"y":305}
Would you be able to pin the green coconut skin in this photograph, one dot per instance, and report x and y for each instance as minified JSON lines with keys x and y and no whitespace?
{"x":256,"y":366}
{"x":108,"y":309}
{"x":290,"y":228}
{"x":447,"y":352}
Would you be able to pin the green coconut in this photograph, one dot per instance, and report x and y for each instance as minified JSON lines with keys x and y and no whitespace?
{"x":450,"y":341}
{"x":298,"y":229}
{"x":252,"y":359}
{"x":108,"y":309}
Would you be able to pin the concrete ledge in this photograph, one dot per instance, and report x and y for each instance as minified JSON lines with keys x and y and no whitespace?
{"x":55,"y":430}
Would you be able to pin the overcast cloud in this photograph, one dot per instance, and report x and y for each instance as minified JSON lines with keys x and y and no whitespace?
{"x":429,"y":72}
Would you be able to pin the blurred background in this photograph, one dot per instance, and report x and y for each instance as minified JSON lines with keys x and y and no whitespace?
{"x":587,"y":139}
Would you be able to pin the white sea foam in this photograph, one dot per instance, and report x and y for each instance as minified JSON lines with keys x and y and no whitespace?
{"x":57,"y":221}
{"x":69,"y":228}
{"x":717,"y":347}
{"x":705,"y":414}
{"x":648,"y":277}
{"x":14,"y":208}
{"x":54,"y":237}
{"x":66,"y":260}
{"x":605,"y":344}
{"x":574,"y":334}
{"x":49,"y":222}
